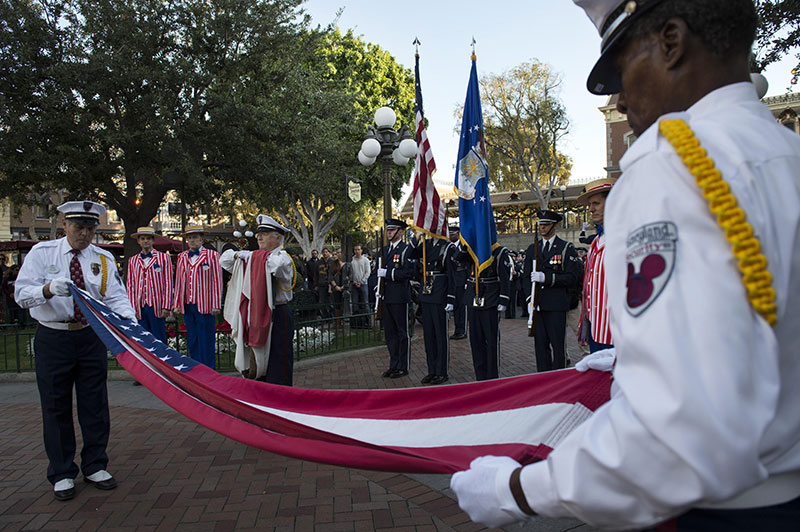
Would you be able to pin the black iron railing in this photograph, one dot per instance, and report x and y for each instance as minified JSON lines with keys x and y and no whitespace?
{"x":314,"y":336}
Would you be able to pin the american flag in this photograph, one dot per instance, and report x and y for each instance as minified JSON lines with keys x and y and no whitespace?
{"x":429,"y":213}
{"x":420,"y":430}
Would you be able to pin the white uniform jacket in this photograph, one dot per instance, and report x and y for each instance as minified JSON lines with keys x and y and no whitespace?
{"x":49,"y":260}
{"x":708,"y":407}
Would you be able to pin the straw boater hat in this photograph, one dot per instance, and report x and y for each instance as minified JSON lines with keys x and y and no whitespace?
{"x":593,"y":187}
{"x":85,"y":212}
{"x":612,"y":18}
{"x":194,"y":230}
{"x":268,"y":223}
{"x":144,"y":231}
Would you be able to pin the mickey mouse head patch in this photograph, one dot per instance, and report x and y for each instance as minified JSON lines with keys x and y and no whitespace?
{"x":650,"y":258}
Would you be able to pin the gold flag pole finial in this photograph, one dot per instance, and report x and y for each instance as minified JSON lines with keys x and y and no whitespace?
{"x":474,"y":57}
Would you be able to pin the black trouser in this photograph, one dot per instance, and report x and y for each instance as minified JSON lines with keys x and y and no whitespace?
{"x":511,"y":311}
{"x":484,"y":339}
{"x":778,"y":518}
{"x":551,"y":329}
{"x":437,"y":342}
{"x":67,"y":360}
{"x":460,"y":318}
{"x":280,"y":366}
{"x":395,"y":326}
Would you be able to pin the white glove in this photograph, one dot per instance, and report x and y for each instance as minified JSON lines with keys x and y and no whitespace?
{"x":60,"y":286}
{"x":501,"y":308}
{"x":129,"y":317}
{"x":537,"y":277}
{"x":448,"y":307}
{"x":483,"y":491}
{"x":585,"y":226}
{"x":599,"y":360}
{"x":243,"y":255}
{"x":381,"y":272}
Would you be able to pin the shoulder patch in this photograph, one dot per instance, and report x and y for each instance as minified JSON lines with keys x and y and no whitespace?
{"x":651,"y":257}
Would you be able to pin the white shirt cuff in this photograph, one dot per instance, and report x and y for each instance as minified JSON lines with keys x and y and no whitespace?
{"x":537,"y":484}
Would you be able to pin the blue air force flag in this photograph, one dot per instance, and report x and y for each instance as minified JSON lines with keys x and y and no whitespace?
{"x":478,"y":231}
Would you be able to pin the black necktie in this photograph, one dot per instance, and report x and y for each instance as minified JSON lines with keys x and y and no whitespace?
{"x":147,"y":255}
{"x":194,"y":253}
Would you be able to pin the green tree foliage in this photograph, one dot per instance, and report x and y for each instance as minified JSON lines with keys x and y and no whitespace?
{"x":778,"y":32}
{"x":524,"y":122}
{"x":119,"y":100}
{"x":355,"y":79}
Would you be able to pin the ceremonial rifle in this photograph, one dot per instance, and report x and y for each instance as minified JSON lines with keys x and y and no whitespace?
{"x":535,"y":287}
{"x":381,"y":280}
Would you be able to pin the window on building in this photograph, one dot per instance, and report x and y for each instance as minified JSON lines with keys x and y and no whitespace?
{"x":791,"y":124}
{"x":629,"y":138}
{"x":41,"y":212}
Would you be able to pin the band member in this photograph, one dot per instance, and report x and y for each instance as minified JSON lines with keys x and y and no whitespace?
{"x":702,"y":431}
{"x":68,"y":352}
{"x":594,"y":323}
{"x":198,"y":293}
{"x":395,"y":272}
{"x":150,"y":284}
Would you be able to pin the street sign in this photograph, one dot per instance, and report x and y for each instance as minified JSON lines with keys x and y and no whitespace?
{"x":354,"y":191}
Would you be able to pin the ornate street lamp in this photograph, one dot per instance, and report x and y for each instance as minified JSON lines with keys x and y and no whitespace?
{"x":390,"y":146}
{"x":563,"y":189}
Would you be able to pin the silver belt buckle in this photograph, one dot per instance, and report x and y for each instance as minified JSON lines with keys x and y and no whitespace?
{"x":478,"y":302}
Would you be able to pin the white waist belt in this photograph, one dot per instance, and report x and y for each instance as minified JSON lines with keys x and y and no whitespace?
{"x":776,"y":489}
{"x":64,"y":325}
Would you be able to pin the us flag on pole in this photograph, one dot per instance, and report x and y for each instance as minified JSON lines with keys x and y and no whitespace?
{"x":429,"y":214}
{"x":422,"y":430}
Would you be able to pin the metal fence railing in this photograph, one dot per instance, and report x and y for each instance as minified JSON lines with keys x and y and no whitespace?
{"x":313,"y":336}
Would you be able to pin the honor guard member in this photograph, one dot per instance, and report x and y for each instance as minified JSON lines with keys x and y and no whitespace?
{"x":68,"y":352}
{"x":198,"y":295}
{"x":484,"y":308}
{"x":395,"y":271}
{"x":274,"y":362}
{"x":594,"y":314}
{"x":434,"y":287}
{"x":150,"y":284}
{"x":702,"y":432}
{"x":456,"y":298}
{"x":557,"y":271}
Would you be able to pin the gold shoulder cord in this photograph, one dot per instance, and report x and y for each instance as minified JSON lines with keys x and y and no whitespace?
{"x":294,"y":277}
{"x":104,"y":281}
{"x":733,"y":220}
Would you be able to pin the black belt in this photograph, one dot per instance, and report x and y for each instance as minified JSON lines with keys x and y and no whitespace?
{"x":483,"y":280}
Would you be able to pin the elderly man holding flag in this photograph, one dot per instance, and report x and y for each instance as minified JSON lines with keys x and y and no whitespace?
{"x":257,"y":305}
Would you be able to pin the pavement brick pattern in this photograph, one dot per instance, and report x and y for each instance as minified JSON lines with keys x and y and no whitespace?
{"x":175,"y":475}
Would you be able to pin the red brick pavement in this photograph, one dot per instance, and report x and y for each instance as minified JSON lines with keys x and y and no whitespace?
{"x":176,"y":475}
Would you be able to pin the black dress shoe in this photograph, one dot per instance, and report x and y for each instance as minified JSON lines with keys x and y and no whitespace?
{"x":388,"y":372}
{"x":427,"y":378}
{"x":108,"y":484}
{"x":439,"y":379}
{"x":398,"y":373}
{"x":65,"y":495}
{"x":458,"y":336}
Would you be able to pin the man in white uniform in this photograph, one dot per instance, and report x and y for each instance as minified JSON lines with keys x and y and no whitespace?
{"x":68,"y":352}
{"x":703,"y":429}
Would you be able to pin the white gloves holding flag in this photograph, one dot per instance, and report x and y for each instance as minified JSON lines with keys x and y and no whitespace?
{"x":60,"y":286}
{"x":448,"y":307}
{"x":381,"y":272}
{"x":599,"y":361}
{"x":484,"y":492}
{"x":501,"y":308}
{"x":243,"y":255}
{"x":585,"y":226}
{"x":537,"y":277}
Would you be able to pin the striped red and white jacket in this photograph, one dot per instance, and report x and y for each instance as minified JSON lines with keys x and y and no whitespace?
{"x":150,"y":282}
{"x":595,"y":295}
{"x":199,"y":283}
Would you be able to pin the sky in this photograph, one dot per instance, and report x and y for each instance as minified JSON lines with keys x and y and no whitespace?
{"x":507,"y":33}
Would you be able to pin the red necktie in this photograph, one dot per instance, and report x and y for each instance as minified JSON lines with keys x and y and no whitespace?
{"x":76,"y":274}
